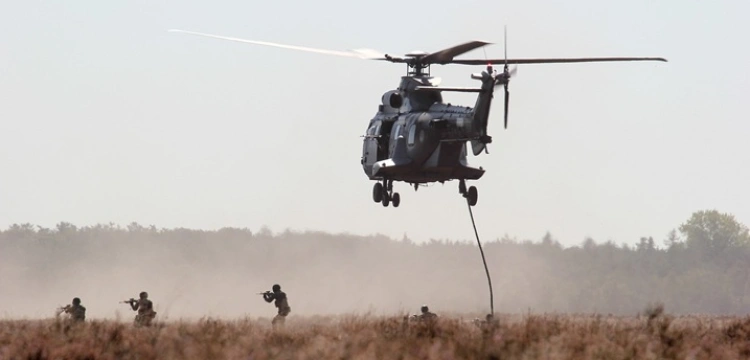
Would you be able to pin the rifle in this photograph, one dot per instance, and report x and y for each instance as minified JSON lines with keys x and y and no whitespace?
{"x":61,"y":309}
{"x":263,"y":293}
{"x":130,"y":301}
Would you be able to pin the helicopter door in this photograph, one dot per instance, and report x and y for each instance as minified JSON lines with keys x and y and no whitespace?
{"x":370,"y":147}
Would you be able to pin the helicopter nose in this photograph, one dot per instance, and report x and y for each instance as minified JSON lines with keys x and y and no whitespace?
{"x":376,"y":168}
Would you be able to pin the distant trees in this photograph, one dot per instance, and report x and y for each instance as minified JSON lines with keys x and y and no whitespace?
{"x":702,"y":267}
{"x":712,"y":232}
{"x":645,"y":244}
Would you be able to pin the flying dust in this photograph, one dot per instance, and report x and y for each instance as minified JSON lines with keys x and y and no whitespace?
{"x":191,"y":274}
{"x":194,"y":274}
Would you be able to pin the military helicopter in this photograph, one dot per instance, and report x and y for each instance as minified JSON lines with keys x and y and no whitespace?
{"x":417,"y":138}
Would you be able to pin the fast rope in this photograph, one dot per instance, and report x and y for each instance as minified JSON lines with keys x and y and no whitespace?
{"x":486,"y":270}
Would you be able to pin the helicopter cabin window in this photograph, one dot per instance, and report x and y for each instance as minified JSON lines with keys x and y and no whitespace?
{"x":412,"y":134}
{"x":397,"y":131}
{"x":374,"y":129}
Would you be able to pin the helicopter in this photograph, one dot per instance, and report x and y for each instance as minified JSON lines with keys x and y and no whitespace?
{"x":417,"y":138}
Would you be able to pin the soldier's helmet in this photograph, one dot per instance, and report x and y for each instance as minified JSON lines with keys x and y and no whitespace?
{"x":425,"y":309}
{"x":76,"y":301}
{"x":143,"y":294}
{"x":276,"y":287}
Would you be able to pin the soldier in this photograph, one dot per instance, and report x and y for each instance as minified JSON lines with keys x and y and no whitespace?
{"x":426,"y":314}
{"x":281,"y":302}
{"x":76,"y":311}
{"x":145,"y":309}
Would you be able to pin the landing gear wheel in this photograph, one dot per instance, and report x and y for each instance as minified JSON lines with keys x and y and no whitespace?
{"x":396,"y":199}
{"x":386,"y":200}
{"x":377,"y":192}
{"x":472,"y":196}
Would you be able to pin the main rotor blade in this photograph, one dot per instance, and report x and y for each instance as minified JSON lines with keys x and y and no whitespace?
{"x":446,"y":55}
{"x":361,"y":54}
{"x":554,"y":60}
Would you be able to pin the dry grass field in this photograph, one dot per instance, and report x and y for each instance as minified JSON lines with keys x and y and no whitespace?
{"x":529,"y":336}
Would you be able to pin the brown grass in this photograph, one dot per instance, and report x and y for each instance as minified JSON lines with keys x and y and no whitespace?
{"x":369,"y":337}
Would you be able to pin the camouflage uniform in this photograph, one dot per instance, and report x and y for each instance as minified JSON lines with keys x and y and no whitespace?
{"x":281,"y":302}
{"x":76,"y":312}
{"x":146,"y":313}
{"x":425,"y":317}
{"x":426,"y":314}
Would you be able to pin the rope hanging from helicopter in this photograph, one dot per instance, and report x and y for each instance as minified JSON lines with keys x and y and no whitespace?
{"x":484,"y":260}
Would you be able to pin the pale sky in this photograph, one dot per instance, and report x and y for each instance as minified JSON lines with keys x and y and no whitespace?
{"x":107,"y":117}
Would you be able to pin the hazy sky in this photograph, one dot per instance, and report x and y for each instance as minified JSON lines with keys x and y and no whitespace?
{"x":106,"y":116}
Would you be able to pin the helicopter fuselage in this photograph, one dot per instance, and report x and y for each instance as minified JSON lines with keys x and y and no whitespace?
{"x":420,"y":146}
{"x":416,"y":138}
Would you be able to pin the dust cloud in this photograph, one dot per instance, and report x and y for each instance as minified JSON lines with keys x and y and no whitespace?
{"x":192,"y":274}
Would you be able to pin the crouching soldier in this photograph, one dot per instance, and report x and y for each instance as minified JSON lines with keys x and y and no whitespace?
{"x":76,"y":312}
{"x":426,"y":314}
{"x":145,"y":309}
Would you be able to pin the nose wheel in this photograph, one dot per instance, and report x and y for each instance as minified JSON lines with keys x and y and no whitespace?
{"x":470,"y":194}
{"x":383,"y":193}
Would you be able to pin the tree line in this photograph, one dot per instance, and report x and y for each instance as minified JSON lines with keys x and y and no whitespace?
{"x":701,"y":267}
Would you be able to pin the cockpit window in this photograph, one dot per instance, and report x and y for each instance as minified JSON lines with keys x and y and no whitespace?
{"x":374,"y":129}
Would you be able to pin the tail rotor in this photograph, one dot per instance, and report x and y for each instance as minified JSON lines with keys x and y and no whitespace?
{"x":504,"y":78}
